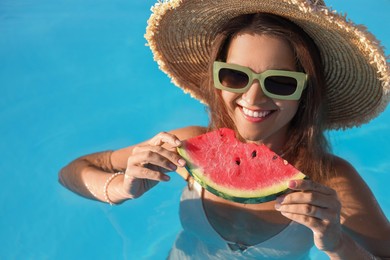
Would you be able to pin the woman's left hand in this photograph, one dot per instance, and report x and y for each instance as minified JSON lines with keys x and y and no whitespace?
{"x":317,"y":207}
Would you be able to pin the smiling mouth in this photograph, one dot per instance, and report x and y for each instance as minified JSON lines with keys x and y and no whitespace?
{"x":256,"y":114}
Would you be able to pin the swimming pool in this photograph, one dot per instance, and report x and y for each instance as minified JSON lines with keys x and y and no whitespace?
{"x":76,"y":77}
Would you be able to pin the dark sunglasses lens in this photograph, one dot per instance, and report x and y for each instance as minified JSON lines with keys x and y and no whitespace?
{"x":281,"y":85}
{"x":233,"y":78}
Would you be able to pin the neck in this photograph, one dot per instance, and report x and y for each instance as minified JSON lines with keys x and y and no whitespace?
{"x":275,"y":142}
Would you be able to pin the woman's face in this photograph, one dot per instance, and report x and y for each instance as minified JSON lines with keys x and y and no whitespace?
{"x":257,"y":117}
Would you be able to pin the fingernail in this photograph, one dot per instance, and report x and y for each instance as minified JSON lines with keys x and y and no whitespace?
{"x":172,"y":166}
{"x":280,"y":199}
{"x":166,"y":178}
{"x":277,"y":206}
{"x":182,"y":162}
{"x":178,"y":142}
{"x":292,"y":184}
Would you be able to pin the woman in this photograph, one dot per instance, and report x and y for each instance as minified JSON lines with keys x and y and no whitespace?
{"x":336,"y":78}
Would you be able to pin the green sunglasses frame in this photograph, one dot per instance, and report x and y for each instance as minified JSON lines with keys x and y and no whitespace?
{"x":300,"y":77}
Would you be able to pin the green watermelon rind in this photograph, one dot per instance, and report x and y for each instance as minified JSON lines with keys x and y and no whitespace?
{"x":246,"y":200}
{"x":247,"y":197}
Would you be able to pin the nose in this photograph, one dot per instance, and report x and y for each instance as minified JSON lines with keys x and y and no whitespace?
{"x":255,"y":95}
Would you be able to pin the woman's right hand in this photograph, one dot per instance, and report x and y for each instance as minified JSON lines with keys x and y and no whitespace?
{"x":148,"y":163}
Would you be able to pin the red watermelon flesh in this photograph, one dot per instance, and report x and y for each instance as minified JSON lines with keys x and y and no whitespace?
{"x":237,"y":171}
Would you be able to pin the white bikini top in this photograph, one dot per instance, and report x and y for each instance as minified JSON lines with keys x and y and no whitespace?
{"x":293,"y":242}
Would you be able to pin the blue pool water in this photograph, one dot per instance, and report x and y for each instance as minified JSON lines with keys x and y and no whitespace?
{"x":75,"y":78}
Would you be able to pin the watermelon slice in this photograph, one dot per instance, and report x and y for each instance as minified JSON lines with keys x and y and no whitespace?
{"x":236,"y":171}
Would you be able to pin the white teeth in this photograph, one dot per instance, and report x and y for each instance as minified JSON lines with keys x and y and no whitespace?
{"x":252,"y":113}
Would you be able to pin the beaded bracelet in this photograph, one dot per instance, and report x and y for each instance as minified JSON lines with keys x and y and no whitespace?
{"x":105,"y":188}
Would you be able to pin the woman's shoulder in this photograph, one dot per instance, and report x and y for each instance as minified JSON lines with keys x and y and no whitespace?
{"x":188,"y":132}
{"x":350,"y":186}
{"x":344,"y":172}
{"x":352,"y":190}
{"x":360,"y":210}
{"x":343,"y":167}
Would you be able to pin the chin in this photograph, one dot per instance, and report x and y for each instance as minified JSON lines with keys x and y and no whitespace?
{"x":250,"y":137}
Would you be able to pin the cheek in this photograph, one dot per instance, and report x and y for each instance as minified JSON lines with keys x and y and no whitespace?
{"x":229,"y":102}
{"x":288,"y":107}
{"x":229,"y":99}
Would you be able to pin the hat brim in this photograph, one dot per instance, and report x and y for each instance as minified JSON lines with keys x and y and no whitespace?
{"x":181,"y":33}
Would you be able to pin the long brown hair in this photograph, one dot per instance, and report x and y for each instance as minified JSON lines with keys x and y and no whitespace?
{"x":307,"y":147}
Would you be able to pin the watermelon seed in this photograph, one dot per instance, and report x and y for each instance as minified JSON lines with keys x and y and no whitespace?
{"x":238,"y":161}
{"x":254,"y":153}
{"x":275,"y":157}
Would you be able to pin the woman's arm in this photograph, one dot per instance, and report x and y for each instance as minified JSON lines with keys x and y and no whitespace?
{"x":345,"y":218}
{"x":144,"y":165}
{"x":365,"y":227}
{"x":87,"y":175}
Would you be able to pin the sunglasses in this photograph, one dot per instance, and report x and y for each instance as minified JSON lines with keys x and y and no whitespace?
{"x":278,"y":84}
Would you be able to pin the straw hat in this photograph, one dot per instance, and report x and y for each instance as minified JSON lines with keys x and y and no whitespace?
{"x":180,"y":34}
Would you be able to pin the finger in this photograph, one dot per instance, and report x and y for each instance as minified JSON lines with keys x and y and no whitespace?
{"x":148,"y":157}
{"x":309,"y":197}
{"x":137,"y":172}
{"x":308,"y":185}
{"x":165,"y":137}
{"x":144,"y":152}
{"x":311,"y":222}
{"x":307,"y":210}
{"x":318,"y":226}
